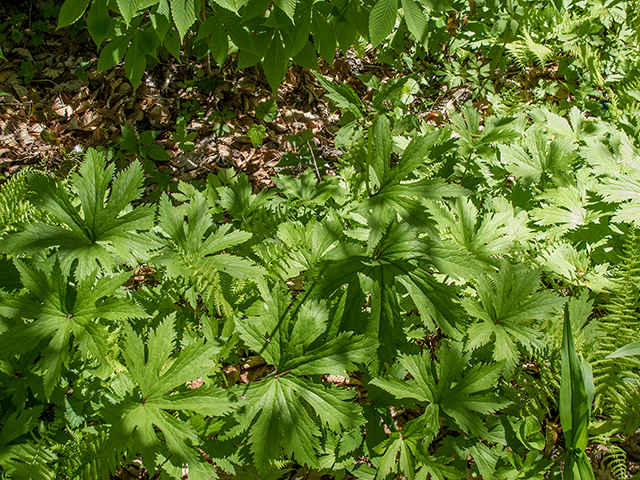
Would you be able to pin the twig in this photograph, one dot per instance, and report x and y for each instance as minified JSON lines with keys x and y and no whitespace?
{"x":314,"y":161}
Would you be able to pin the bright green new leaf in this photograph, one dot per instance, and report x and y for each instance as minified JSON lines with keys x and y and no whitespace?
{"x":257,"y":134}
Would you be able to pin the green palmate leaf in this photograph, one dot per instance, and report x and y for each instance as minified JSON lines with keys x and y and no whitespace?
{"x":191,"y":250}
{"x":135,"y":61}
{"x":625,"y":192}
{"x":237,"y":199}
{"x":113,"y":53}
{"x":436,"y":302}
{"x":508,"y":307}
{"x":288,"y":339}
{"x":275,"y":67}
{"x":405,"y":448}
{"x":416,"y":20}
{"x":284,"y":424}
{"x":61,"y":312}
{"x":219,"y":41}
{"x":406,"y":452}
{"x":538,"y":157}
{"x":140,"y":420}
{"x":476,"y":141}
{"x":288,"y":7}
{"x":390,"y":193}
{"x":324,"y":36}
{"x":99,"y":232}
{"x":257,"y":133}
{"x":485,"y":236}
{"x":396,"y":259}
{"x":382,"y":20}
{"x":449,"y":386}
{"x":71,"y":11}
{"x":576,"y":397}
{"x":285,"y":339}
{"x":99,"y":22}
{"x":568,"y":207}
{"x":184,"y":15}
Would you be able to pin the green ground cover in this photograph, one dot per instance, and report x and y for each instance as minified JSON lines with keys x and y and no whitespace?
{"x":455,"y":295}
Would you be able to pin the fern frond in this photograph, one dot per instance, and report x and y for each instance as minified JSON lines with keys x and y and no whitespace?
{"x":625,"y":417}
{"x":616,"y":460}
{"x":28,"y":461}
{"x":526,"y":50}
{"x":589,"y":57}
{"x":533,"y":394}
{"x":14,"y":202}
{"x":621,"y":326}
{"x":85,"y":458}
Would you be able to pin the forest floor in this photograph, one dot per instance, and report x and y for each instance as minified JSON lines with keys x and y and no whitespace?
{"x":54,"y":103}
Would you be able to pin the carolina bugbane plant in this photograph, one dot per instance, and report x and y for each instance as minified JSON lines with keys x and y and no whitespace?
{"x":385,"y":314}
{"x":95,"y":220}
